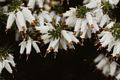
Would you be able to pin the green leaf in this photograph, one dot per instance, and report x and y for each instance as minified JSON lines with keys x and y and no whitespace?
{"x":106,"y":7}
{"x":116,"y":30}
{"x":81,"y":11}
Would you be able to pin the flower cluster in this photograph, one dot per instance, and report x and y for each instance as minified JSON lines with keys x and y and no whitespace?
{"x":62,"y":30}
{"x":6,"y":60}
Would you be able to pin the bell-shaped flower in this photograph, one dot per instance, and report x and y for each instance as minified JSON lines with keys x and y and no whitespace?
{"x":20,"y":28}
{"x":105,"y":19}
{"x":10,"y":20}
{"x":35,"y":46}
{"x":106,"y":39}
{"x":40,"y":3}
{"x":106,"y":70}
{"x":86,"y":1}
{"x":1,"y":66}
{"x":78,"y":24}
{"x":63,"y":43}
{"x":92,"y":4}
{"x":111,"y":45}
{"x":53,"y":45}
{"x":28,"y":46}
{"x":116,"y":49}
{"x":98,"y":58}
{"x":98,"y":13}
{"x":46,"y":16}
{"x":74,"y":39}
{"x":102,"y":63}
{"x":71,"y":21}
{"x":6,"y":64}
{"x":10,"y":59}
{"x":95,"y":26}
{"x":28,"y":15}
{"x":41,"y":20}
{"x":89,"y":18}
{"x":22,"y":46}
{"x":21,"y":20}
{"x":113,"y":68}
{"x":66,"y":36}
{"x":31,"y":4}
{"x":84,"y":28}
{"x":57,"y":19}
{"x":71,"y":12}
{"x":46,"y":38}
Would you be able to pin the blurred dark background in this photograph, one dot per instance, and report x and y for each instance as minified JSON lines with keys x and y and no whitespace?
{"x":69,"y":65}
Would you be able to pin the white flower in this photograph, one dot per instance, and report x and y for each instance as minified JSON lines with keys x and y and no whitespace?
{"x":113,"y":2}
{"x":85,"y":1}
{"x":89,"y":18}
{"x":46,"y":38}
{"x":98,"y":58}
{"x":41,"y":20}
{"x":22,"y":46}
{"x":63,"y":43}
{"x":10,"y":20}
{"x":1,"y":66}
{"x":28,"y":15}
{"x":66,"y":36}
{"x":6,"y":64}
{"x":46,"y":16}
{"x":71,"y":21}
{"x":113,"y":67}
{"x":84,"y":28}
{"x":95,"y":26}
{"x":106,"y":39}
{"x":105,"y":19}
{"x":78,"y":25}
{"x":42,"y":29}
{"x":69,"y":13}
{"x":116,"y":49}
{"x":47,"y":7}
{"x":35,"y":46}
{"x":106,"y":69}
{"x":40,"y":3}
{"x":98,"y":13}
{"x":28,"y":46}
{"x":92,"y":4}
{"x":88,"y":34}
{"x":110,"y":45}
{"x":18,"y":25}
{"x":102,"y":63}
{"x":53,"y":45}
{"x":31,"y":4}
{"x":58,"y":18}
{"x":56,"y":47}
{"x":74,"y":39}
{"x":21,"y":20}
{"x":10,"y":59}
